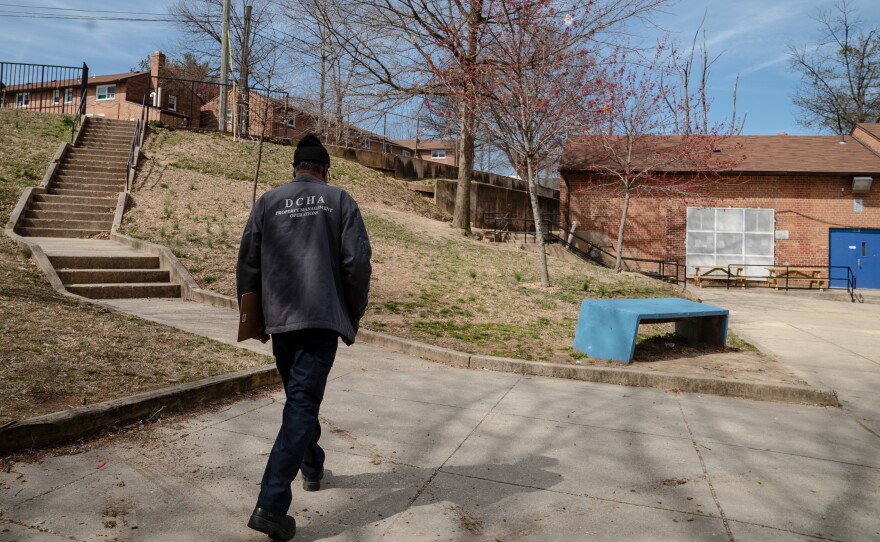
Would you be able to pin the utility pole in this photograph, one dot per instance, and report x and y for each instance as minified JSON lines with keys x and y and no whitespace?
{"x":243,"y":75}
{"x":224,"y":67}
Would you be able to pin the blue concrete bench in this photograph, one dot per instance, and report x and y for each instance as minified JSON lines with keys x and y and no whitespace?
{"x":607,"y":328}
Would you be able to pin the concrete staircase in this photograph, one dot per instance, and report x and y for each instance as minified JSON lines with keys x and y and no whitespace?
{"x":80,"y":199}
{"x":79,"y":204}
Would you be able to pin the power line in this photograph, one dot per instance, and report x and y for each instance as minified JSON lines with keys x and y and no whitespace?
{"x":82,"y":10}
{"x":22,"y":15}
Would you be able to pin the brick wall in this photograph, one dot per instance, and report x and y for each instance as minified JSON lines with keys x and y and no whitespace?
{"x":807,"y":207}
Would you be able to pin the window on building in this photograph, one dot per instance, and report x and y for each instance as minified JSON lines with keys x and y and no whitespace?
{"x":106,"y":92}
{"x":405,"y":153}
{"x":287,"y":119}
{"x":229,"y":116}
{"x":22,"y":99}
{"x":172,"y":103}
{"x":366,"y":143}
{"x":722,"y":237}
{"x":56,"y":96}
{"x":68,"y":95}
{"x":438,"y":154}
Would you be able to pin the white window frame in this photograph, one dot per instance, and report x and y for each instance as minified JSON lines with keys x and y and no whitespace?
{"x":108,"y":93}
{"x":56,"y":96}
{"x":703,"y":241}
{"x":172,"y":102}
{"x":438,"y":154}
{"x":68,"y":95}
{"x":22,"y":100}
{"x":405,"y":153}
{"x":229,"y":116}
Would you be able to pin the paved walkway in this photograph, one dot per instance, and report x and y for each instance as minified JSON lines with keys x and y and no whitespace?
{"x":420,"y":451}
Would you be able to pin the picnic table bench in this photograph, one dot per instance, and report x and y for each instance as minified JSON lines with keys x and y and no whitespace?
{"x":607,"y":328}
{"x":719,"y":272}
{"x":785,"y":275}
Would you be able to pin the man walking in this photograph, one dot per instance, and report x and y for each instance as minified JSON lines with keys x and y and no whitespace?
{"x":306,"y":250}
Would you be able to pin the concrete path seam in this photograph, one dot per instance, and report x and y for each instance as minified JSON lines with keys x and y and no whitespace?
{"x":706,"y":473}
{"x":437,"y":470}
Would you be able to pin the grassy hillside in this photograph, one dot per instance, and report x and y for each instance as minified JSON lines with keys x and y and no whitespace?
{"x":57,"y":352}
{"x":429,"y":283}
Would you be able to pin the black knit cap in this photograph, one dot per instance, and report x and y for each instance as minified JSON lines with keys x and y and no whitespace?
{"x":310,"y":149}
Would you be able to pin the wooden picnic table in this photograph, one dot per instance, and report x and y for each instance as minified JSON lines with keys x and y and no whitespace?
{"x":786,"y":274}
{"x":719,"y":272}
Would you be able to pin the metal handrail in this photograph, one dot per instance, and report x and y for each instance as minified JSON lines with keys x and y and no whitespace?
{"x":850,"y":280}
{"x":594,"y":252}
{"x":83,"y":93}
{"x":136,"y":141}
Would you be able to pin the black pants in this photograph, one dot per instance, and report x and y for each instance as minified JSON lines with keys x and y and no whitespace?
{"x":304,"y":359}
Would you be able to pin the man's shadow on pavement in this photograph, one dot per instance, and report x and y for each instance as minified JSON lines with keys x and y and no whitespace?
{"x":507,"y":479}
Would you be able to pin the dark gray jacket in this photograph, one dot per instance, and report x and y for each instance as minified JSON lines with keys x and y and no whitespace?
{"x":306,"y":249}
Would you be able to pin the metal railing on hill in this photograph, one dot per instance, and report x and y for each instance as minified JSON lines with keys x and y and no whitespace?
{"x":45,"y":88}
{"x":666,"y":270}
{"x":136,"y":141}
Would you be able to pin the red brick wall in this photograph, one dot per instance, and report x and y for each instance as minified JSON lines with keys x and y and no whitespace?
{"x":807,"y":207}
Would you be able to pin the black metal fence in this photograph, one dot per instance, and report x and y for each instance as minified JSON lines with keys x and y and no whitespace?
{"x":510,"y":228}
{"x":44,"y":88}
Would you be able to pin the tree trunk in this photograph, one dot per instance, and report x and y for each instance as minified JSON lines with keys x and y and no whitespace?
{"x":461,"y":216}
{"x":539,"y":230}
{"x":618,"y":263}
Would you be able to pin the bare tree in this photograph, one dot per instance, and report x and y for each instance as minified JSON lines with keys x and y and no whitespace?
{"x":636,"y":151}
{"x":320,"y":25}
{"x":435,"y":47}
{"x":840,"y":74}
{"x":689,"y":106}
{"x":201,"y":24}
{"x":537,"y":87}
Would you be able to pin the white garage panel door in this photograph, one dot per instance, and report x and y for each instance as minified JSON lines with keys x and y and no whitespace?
{"x":721,"y":237}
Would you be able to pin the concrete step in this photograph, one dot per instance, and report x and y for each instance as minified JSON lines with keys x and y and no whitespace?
{"x":96,"y":162}
{"x":103,"y":185}
{"x":105,"y":134}
{"x":80,"y":152}
{"x":125,"y":291}
{"x":104,"y":262}
{"x":113,"y":276}
{"x":93,"y":168}
{"x":55,"y":224}
{"x":108,"y":144}
{"x":41,"y":214}
{"x":95,"y":122}
{"x":89,"y":179}
{"x":73,"y":208}
{"x":60,"y":199}
{"x":67,"y":233}
{"x":80,"y":193}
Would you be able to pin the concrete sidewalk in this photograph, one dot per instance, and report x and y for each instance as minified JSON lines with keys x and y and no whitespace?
{"x":421,"y":451}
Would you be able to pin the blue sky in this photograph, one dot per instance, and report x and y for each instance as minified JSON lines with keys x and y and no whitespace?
{"x":750,"y":35}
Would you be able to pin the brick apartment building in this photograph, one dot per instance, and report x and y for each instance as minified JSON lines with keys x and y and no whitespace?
{"x":794,"y":200}
{"x":444,"y":151}
{"x":113,"y":96}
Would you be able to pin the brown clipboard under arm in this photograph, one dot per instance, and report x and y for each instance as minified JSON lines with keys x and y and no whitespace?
{"x":250,"y":318}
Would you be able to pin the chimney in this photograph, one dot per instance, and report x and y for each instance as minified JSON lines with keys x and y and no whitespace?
{"x":782,"y":134}
{"x":157,"y":64}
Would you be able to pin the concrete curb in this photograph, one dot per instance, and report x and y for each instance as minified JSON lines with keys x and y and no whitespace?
{"x":782,"y":393}
{"x":72,"y":424}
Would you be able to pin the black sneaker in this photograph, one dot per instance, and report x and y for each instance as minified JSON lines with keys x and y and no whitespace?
{"x":313,"y":484}
{"x":278,"y":527}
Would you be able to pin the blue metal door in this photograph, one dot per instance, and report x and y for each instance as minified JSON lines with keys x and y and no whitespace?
{"x":859,"y":249}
